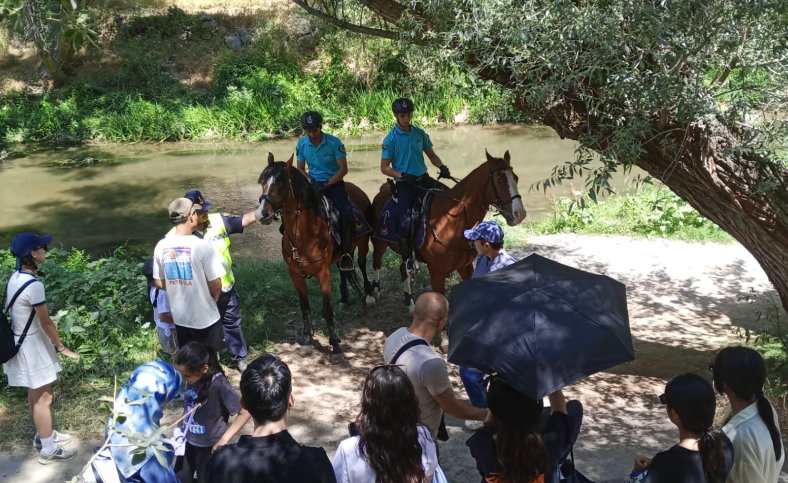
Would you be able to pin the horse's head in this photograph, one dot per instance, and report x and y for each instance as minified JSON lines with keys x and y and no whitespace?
{"x":503,"y":182}
{"x":276,"y":183}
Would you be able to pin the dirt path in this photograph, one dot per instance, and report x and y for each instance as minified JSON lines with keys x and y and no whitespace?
{"x":683,"y":307}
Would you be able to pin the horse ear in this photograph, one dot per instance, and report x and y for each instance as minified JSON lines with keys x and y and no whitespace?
{"x":507,"y":158}
{"x":270,"y":158}
{"x":489,"y":158}
{"x":289,"y":163}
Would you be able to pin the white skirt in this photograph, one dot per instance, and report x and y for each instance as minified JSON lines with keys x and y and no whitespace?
{"x":35,"y":365}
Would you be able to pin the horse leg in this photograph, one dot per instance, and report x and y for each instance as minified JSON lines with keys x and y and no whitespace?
{"x":465,"y":271}
{"x":368,"y":299}
{"x":408,"y":294}
{"x":343,"y":294}
{"x":303,"y":301}
{"x":378,"y":249}
{"x":324,"y":278}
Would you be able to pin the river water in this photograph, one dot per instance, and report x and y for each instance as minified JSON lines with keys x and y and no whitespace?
{"x":122,"y":199}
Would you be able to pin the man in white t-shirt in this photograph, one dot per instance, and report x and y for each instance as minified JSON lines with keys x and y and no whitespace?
{"x":425,"y":368}
{"x":190,"y":271}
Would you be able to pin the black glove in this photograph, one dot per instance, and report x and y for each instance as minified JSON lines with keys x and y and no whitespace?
{"x":444,"y":172}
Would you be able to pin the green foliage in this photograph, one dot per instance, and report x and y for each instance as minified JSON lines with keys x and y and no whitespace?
{"x":258,"y":91}
{"x":650,"y":211}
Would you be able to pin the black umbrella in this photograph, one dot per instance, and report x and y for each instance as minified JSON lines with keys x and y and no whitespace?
{"x":539,"y":324}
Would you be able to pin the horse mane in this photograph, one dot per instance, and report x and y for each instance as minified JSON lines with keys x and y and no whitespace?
{"x":302,"y":189}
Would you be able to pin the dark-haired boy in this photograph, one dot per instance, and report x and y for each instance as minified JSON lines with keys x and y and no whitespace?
{"x":270,"y":454}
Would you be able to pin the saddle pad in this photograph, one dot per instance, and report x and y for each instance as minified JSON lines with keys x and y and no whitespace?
{"x":388,"y":223}
{"x":332,"y":215}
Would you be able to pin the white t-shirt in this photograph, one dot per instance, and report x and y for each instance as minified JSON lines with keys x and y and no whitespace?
{"x":754,"y":460}
{"x":352,"y":467}
{"x":187,"y":264}
{"x":32,"y":295}
{"x":427,"y":372}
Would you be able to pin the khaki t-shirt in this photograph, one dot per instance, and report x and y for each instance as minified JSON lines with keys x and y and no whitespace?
{"x":426,"y":371}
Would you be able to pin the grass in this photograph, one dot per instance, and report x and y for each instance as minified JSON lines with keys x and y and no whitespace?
{"x":648,"y":212}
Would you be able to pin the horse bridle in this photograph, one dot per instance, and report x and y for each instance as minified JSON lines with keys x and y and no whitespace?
{"x":498,"y":203}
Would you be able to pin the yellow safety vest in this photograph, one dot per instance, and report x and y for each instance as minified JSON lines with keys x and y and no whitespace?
{"x":219,"y":239}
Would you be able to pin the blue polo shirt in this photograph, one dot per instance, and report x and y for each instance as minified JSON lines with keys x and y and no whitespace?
{"x":321,"y":159}
{"x":406,"y":150}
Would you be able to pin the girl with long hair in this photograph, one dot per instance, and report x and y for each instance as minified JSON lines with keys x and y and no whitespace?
{"x":391,"y":445}
{"x":703,"y":454}
{"x":207,"y":428}
{"x":740,"y":373}
{"x":518,"y":445}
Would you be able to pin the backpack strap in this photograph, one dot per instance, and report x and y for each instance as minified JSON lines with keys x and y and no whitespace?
{"x":407,"y":346}
{"x":23,"y":336}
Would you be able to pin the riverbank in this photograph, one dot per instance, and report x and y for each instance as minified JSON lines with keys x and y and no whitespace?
{"x":182,"y":73}
{"x":683,"y":307}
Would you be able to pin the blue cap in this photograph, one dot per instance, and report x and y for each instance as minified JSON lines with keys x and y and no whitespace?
{"x":198,"y":199}
{"x":24,"y":243}
{"x":489,"y":231}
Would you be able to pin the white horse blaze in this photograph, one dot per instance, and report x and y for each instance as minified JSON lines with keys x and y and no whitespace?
{"x":518,"y":209}
{"x":260,"y":208}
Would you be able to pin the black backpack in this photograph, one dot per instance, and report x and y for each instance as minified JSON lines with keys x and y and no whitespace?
{"x":147,"y":270}
{"x":8,"y":348}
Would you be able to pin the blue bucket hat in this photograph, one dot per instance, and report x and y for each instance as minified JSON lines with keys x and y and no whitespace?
{"x":198,"y":199}
{"x":489,"y":231}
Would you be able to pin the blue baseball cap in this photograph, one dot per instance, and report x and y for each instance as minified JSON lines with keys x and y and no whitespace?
{"x":24,"y":243}
{"x":198,"y":199}
{"x":489,"y":231}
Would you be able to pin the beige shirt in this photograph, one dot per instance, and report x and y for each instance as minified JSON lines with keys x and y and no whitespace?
{"x":426,"y":371}
{"x":753,"y":451}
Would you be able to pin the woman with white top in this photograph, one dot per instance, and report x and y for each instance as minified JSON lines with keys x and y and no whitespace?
{"x":391,"y":445}
{"x":36,"y":364}
{"x":740,"y":373}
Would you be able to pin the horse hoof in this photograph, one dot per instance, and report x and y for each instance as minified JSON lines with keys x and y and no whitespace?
{"x":305,"y":350}
{"x":337,"y":358}
{"x":370,"y":300}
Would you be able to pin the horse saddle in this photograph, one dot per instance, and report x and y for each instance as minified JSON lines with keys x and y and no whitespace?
{"x":387,"y":227}
{"x":360,"y":225}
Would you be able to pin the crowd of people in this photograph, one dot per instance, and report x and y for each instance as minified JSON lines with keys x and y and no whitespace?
{"x":394,"y":438}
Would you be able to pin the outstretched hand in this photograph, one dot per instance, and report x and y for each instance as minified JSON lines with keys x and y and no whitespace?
{"x":71,"y":355}
{"x":444,"y":172}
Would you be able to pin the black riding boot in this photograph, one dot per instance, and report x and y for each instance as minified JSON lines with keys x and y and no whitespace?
{"x":347,"y":230}
{"x":406,"y":252}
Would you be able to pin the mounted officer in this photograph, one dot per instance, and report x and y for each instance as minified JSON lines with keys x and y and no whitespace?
{"x":326,"y":159}
{"x":403,"y":159}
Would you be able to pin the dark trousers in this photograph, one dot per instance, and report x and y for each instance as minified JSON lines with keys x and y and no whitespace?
{"x":210,"y":336}
{"x":230,"y":312}
{"x":409,"y":189}
{"x":338,"y":196}
{"x":195,"y":459}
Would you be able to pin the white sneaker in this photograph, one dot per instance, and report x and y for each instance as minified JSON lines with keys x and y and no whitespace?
{"x":60,"y":454}
{"x":60,"y":438}
{"x":473,"y":425}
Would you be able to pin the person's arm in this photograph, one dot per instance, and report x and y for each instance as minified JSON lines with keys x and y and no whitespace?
{"x":557,"y":402}
{"x":166,"y":317}
{"x":341,"y":172}
{"x":301,"y":165}
{"x":459,"y":408}
{"x":434,"y":159}
{"x":387,"y":169}
{"x":48,"y":325}
{"x":215,"y":287}
{"x":240,"y":421}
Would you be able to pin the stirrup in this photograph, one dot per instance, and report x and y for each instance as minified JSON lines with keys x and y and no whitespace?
{"x":411,"y":266}
{"x":346,"y":263}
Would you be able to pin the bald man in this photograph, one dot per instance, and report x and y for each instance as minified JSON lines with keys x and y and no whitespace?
{"x":410,"y":348}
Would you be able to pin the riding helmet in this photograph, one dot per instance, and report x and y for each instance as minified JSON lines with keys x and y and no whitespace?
{"x":402,"y":105}
{"x":311,"y":120}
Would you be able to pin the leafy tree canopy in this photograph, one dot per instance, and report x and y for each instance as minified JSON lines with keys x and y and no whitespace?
{"x":692,"y":91}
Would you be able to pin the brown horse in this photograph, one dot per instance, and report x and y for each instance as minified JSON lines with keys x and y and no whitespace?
{"x":445,"y":249}
{"x":307,"y":246}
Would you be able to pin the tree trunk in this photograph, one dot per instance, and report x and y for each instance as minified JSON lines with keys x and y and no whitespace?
{"x":746,"y":197}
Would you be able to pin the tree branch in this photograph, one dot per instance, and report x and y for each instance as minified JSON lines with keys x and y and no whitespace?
{"x":387,"y":34}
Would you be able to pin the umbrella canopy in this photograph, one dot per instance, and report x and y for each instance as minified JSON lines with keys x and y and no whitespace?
{"x":539,"y":324}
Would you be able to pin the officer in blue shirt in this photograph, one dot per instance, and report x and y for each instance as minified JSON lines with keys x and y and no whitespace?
{"x":326,"y":159}
{"x":403,"y":160}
